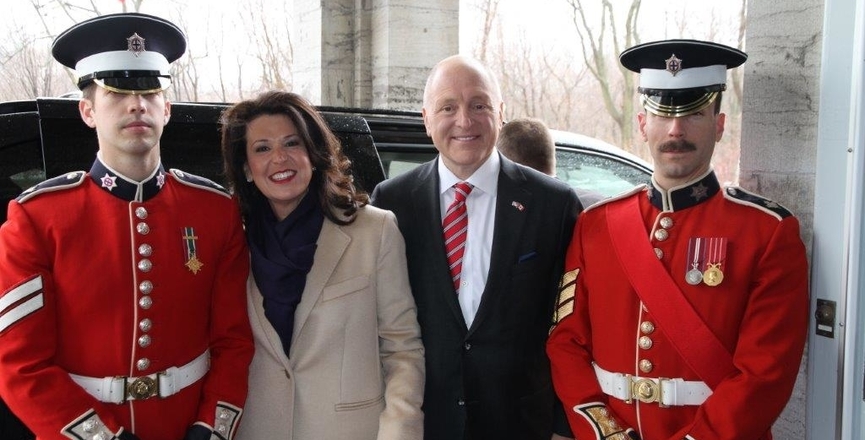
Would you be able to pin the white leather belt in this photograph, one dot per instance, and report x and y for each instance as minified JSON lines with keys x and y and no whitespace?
{"x":118,"y":389}
{"x":666,"y":392}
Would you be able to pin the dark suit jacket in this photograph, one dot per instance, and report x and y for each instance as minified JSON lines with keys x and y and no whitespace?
{"x":491,"y":380}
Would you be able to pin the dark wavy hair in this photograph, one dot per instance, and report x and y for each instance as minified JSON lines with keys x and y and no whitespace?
{"x":331,"y":178}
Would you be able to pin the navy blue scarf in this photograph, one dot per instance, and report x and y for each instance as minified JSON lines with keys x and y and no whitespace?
{"x":282,"y":255}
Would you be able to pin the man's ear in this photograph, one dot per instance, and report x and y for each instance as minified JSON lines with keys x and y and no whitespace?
{"x":641,"y":123}
{"x":423,"y":115}
{"x":85,"y":108}
{"x":167,"y":111}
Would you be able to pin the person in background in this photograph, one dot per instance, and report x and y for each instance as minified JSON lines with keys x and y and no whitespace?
{"x":528,"y":141}
{"x":485,"y":242}
{"x":122,"y":288}
{"x":338,"y":346}
{"x":684,"y":308}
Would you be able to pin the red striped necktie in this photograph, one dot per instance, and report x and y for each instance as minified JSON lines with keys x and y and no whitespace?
{"x":455,"y":225}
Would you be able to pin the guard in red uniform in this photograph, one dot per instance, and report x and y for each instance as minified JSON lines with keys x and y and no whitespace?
{"x":683,"y":310}
{"x":122,"y":290}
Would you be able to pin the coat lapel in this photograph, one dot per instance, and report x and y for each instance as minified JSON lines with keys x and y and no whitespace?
{"x":331,"y":244}
{"x":513,"y":202}
{"x":427,"y":210}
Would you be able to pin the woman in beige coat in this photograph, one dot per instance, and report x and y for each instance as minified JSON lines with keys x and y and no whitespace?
{"x":338,"y":348}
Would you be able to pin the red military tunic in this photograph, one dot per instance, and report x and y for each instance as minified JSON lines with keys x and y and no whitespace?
{"x":758,"y":311}
{"x":102,"y":277}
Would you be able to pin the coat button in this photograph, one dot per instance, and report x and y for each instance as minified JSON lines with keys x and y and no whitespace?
{"x":645,"y":342}
{"x":659,"y":253}
{"x":145,"y":325}
{"x":146,"y":287}
{"x":666,"y":222}
{"x":142,"y":364}
{"x":144,"y":341}
{"x":142,"y":228}
{"x":661,"y":234}
{"x":145,"y":250}
{"x":145,"y":302}
{"x":141,"y":212}
{"x":646,"y":366}
{"x":647,"y":327}
{"x":145,"y":265}
{"x":461,"y":402}
{"x":468,"y":346}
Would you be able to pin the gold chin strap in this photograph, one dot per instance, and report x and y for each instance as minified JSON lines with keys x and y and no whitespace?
{"x":102,"y":84}
{"x":675,"y":111}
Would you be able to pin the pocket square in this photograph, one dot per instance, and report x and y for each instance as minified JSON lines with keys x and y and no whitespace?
{"x":527,"y":257}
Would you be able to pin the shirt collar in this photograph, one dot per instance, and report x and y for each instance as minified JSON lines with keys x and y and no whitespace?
{"x":123,"y":187}
{"x":485,"y":178}
{"x":685,"y":196}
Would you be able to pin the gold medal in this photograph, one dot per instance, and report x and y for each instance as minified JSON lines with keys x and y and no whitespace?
{"x":713,"y":275}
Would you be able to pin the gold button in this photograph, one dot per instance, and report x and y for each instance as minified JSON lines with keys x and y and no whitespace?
{"x":646,"y":366}
{"x":659,"y":253}
{"x":142,"y":228}
{"x":647,"y":327}
{"x":645,"y":342}
{"x":661,"y":234}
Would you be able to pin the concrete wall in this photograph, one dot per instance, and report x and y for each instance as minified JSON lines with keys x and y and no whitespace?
{"x":779,"y":128}
{"x":371,"y":53}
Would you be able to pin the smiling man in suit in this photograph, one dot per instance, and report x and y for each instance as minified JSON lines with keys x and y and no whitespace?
{"x":485,"y":242}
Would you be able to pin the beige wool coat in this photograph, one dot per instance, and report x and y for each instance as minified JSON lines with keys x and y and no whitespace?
{"x":356,"y":365}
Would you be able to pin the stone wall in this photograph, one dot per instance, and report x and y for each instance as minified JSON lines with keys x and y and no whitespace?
{"x":779,"y":129}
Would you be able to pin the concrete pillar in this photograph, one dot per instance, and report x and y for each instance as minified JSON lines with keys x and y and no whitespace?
{"x":371,"y":53}
{"x":779,"y":128}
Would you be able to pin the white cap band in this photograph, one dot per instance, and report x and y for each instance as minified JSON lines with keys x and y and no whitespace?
{"x":122,"y":60}
{"x":658,"y":79}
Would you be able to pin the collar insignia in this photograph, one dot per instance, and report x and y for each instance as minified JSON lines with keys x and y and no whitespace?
{"x":674,"y":65}
{"x":699,"y":192}
{"x":109,"y":182}
{"x":135,"y":44}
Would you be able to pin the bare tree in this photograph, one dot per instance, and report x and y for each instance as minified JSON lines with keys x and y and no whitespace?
{"x":489,"y":9}
{"x":272,"y":45}
{"x":617,"y":91}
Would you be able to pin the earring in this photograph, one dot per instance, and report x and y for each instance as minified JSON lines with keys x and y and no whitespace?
{"x":314,"y":168}
{"x":249,"y":178}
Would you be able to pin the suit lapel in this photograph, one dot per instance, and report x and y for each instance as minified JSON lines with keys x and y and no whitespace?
{"x":331,"y":244}
{"x":512,"y":204}
{"x":427,"y":209}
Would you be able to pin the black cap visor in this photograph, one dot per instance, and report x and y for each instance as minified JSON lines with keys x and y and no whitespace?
{"x":128,"y":81}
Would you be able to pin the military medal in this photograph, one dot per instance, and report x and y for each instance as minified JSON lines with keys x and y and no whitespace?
{"x":192,"y":262}
{"x":717,"y":252}
{"x":693,"y":274}
{"x":713,"y":275}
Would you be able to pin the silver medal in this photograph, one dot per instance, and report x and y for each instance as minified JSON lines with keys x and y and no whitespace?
{"x":694,"y":277}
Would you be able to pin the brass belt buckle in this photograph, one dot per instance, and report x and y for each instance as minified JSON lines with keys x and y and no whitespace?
{"x":142,"y":388}
{"x":647,"y":390}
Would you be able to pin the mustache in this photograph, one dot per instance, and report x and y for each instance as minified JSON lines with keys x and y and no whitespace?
{"x":677,"y":146}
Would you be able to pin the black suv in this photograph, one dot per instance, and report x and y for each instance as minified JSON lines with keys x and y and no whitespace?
{"x":45,"y":137}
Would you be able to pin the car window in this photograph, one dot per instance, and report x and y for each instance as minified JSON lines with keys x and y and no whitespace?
{"x":595,"y":172}
{"x":581,"y":169}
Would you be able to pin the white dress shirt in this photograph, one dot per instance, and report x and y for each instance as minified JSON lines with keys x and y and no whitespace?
{"x":481,"y":210}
